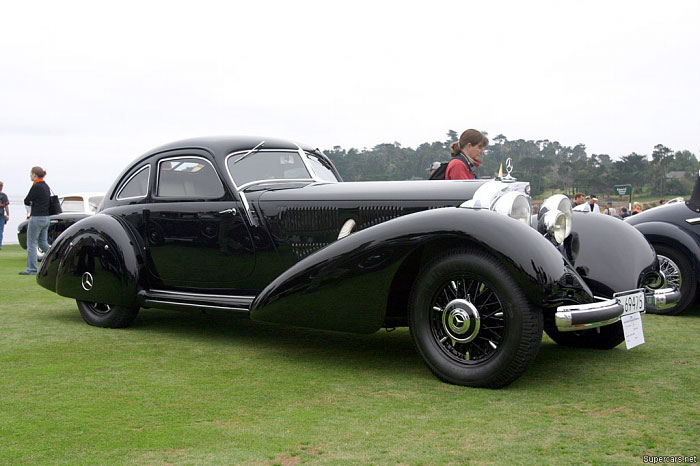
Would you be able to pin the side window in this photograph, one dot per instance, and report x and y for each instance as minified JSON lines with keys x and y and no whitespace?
{"x":136,"y":186}
{"x":188,"y":177}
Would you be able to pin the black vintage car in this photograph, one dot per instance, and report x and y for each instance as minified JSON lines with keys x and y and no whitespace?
{"x":266,"y":229}
{"x":674,"y":231}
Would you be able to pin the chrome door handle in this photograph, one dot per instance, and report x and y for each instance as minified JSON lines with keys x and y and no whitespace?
{"x":229,"y":211}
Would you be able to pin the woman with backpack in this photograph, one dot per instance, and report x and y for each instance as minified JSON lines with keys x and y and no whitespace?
{"x":466,"y":155}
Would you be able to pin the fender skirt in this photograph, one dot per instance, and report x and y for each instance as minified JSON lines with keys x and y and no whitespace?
{"x":94,"y":260}
{"x":345,"y":286}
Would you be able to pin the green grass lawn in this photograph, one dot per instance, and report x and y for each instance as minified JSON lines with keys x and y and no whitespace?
{"x":190,"y":388}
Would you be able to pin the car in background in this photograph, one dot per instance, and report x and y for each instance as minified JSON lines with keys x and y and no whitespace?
{"x":673,"y":229}
{"x":266,"y":229}
{"x":75,"y":207}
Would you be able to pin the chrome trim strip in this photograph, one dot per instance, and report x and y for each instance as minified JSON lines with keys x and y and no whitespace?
{"x":248,"y":211}
{"x":183,"y":294}
{"x":148,"y":184}
{"x":179,"y":157}
{"x":197,"y":305}
{"x":252,"y":183}
{"x":693,"y":221}
{"x":305,"y":161}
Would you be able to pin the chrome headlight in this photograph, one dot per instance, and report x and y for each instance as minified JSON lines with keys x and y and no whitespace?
{"x":515,"y":205}
{"x":560,"y":203}
{"x":553,"y":224}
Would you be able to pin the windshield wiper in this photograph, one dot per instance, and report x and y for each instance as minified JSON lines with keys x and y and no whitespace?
{"x":251,"y":151}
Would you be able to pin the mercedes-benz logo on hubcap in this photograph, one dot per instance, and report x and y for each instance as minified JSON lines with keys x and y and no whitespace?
{"x":87,"y":281}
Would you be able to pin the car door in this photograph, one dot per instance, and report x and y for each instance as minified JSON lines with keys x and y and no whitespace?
{"x":196,"y":235}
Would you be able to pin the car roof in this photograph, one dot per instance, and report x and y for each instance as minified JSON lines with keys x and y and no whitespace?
{"x":224,"y":145}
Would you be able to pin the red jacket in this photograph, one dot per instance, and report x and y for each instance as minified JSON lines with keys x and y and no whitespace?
{"x":458,"y":169}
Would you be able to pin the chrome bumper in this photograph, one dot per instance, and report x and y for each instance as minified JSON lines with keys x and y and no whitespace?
{"x":586,"y":316}
{"x":664,"y":298}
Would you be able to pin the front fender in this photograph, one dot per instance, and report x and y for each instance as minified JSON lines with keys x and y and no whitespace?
{"x":102,"y":249}
{"x":345,"y":286}
{"x":612,"y":256}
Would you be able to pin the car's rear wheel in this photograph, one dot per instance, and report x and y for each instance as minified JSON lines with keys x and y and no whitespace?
{"x":470,"y":321}
{"x":607,"y":337}
{"x":679,"y":273}
{"x":106,"y":315}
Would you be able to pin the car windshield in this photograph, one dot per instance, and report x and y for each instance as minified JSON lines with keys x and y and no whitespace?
{"x":72,"y":204}
{"x":266,"y":165}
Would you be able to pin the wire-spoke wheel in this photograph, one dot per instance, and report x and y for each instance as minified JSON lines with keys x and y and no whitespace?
{"x":671,"y":271}
{"x":106,"y":315}
{"x":467,"y":319}
{"x":470,"y":321}
{"x":679,"y":273}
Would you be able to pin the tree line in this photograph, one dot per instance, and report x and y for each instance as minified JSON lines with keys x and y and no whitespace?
{"x":547,"y":165}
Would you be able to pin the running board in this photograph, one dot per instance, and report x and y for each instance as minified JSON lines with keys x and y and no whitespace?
{"x":179,"y":300}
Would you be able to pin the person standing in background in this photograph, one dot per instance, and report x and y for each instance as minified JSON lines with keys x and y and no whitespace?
{"x":38,"y":229}
{"x":4,"y":211}
{"x":593,"y":204}
{"x":432,"y":167}
{"x":465,"y":155}
{"x":579,"y":199}
{"x":636,"y":208}
{"x":610,"y":210}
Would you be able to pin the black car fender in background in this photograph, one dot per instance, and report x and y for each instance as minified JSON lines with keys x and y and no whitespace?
{"x":674,"y":231}
{"x":660,"y":232}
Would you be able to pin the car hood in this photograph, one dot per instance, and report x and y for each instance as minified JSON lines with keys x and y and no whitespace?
{"x":394,"y":191}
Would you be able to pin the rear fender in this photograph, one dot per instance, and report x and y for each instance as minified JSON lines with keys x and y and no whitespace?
{"x":94,"y":260}
{"x":346,"y":285}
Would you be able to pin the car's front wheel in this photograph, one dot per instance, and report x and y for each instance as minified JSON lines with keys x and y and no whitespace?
{"x":470,"y":321}
{"x":106,"y":315}
{"x":679,"y":273}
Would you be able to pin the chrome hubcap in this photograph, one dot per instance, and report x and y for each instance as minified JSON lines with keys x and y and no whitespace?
{"x":671,"y":271}
{"x":461,"y":320}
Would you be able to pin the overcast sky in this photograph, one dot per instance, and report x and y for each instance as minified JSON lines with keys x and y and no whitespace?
{"x":85,"y":88}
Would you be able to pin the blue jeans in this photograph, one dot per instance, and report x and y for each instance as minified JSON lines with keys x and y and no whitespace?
{"x":2,"y":225}
{"x":37,"y":233}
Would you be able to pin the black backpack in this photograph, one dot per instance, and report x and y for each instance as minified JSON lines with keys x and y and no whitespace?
{"x":439,"y":174}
